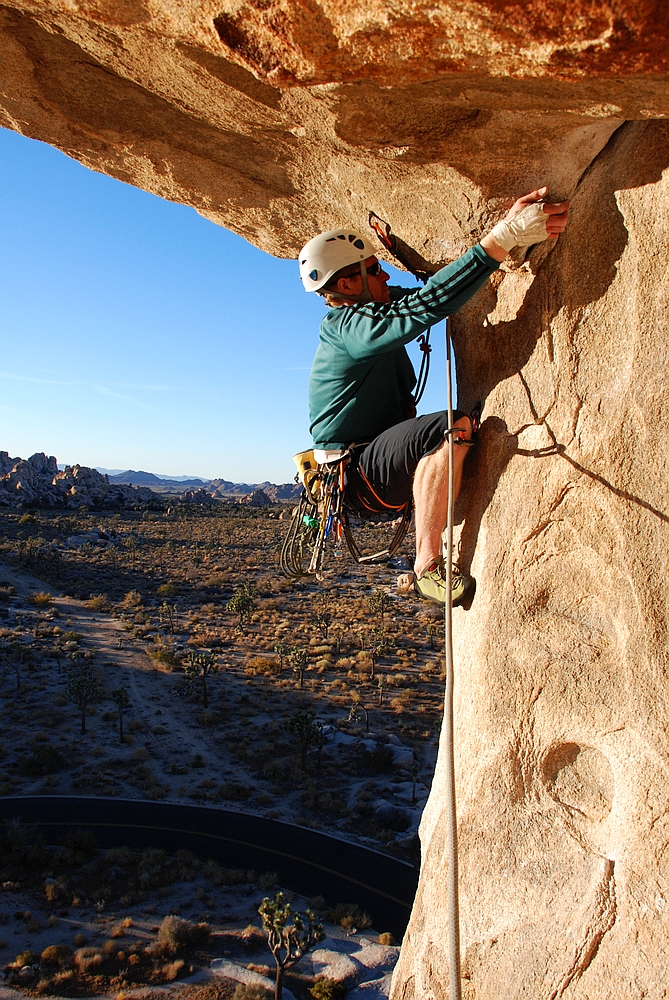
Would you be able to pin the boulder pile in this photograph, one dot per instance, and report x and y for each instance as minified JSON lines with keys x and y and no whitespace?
{"x":37,"y":482}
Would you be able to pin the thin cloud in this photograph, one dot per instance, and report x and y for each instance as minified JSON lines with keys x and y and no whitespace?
{"x":102,"y":389}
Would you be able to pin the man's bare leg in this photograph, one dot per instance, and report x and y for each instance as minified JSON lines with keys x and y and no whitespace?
{"x":430,"y":497}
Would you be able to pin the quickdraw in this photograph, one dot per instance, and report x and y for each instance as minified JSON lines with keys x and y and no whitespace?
{"x":321,"y":519}
{"x":403,"y":254}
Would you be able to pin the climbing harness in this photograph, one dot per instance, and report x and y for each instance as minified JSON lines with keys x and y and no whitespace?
{"x":322,"y":518}
{"x":401,"y":252}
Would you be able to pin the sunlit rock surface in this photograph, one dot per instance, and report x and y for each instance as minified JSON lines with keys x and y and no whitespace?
{"x":562,"y":709}
{"x":282,"y":117}
{"x":278,"y":119}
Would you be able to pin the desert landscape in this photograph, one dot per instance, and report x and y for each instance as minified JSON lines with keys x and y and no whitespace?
{"x":159,"y":654}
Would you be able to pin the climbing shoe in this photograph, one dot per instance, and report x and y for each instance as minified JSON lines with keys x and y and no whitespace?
{"x":432,"y":586}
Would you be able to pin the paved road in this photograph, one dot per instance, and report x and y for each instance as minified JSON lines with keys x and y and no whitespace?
{"x":305,"y":861}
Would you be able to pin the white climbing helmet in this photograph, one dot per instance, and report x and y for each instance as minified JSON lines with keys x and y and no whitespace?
{"x":328,"y":252}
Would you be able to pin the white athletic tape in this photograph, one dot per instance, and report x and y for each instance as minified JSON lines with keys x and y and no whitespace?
{"x":525,"y":229}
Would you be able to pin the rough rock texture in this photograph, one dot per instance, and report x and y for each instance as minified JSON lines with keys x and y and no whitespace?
{"x":279,"y":118}
{"x":562,"y":708}
{"x":36,"y":482}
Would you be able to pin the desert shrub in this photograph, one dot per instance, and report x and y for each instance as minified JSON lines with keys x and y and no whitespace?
{"x":348,"y":916}
{"x":81,"y":842}
{"x":234,"y":791}
{"x":386,"y":938}
{"x":168,"y":590}
{"x":252,"y":939}
{"x":79,"y":940}
{"x":164,"y":655}
{"x":251,"y":991}
{"x":42,"y":600}
{"x":135,"y":726}
{"x":43,"y":760}
{"x":33,"y":926}
{"x":56,"y":954}
{"x":26,"y":958}
{"x":86,"y":959}
{"x":380,"y":759}
{"x":255,"y":665}
{"x":133,"y":599}
{"x":154,"y":867}
{"x":172,"y":969}
{"x":328,"y":989}
{"x":175,"y":934}
{"x":207,"y":719}
{"x":98,"y":602}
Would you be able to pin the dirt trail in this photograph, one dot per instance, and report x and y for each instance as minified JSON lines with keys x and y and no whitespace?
{"x":124,"y":661}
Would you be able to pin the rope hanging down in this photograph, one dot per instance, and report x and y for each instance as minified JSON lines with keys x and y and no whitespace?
{"x":452,"y":892}
{"x":399,"y":251}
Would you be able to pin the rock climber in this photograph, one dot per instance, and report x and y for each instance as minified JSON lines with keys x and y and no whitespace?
{"x":360,"y":388}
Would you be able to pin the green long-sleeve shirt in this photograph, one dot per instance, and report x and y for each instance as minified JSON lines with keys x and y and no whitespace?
{"x":361,"y":379}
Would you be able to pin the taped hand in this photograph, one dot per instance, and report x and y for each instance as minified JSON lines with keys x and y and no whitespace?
{"x":531,"y":221}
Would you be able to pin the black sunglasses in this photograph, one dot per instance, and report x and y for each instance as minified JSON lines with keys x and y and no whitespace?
{"x":374,"y":270}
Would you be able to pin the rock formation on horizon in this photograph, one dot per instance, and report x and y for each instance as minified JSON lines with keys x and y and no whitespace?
{"x":281,"y":118}
{"x":36,"y":482}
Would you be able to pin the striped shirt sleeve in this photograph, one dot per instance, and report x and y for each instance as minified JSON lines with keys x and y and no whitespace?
{"x":377,"y":327}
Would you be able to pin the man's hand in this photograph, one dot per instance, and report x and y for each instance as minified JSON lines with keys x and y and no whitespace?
{"x":531,"y":228}
{"x":557,"y":211}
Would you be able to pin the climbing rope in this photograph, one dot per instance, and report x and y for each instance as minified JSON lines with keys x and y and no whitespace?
{"x":453,"y":900}
{"x":398,"y":250}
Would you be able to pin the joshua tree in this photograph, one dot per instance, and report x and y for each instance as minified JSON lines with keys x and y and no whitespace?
{"x":357,"y":708}
{"x":241,"y":603}
{"x":380,"y":646}
{"x":199,"y":666}
{"x":378,"y":601}
{"x":83,"y":688}
{"x":303,"y":726}
{"x":381,"y":683}
{"x":414,"y":778}
{"x":434,"y":629}
{"x":169,"y":616}
{"x":122,"y":699}
{"x":288,"y":942}
{"x":298,"y":661}
{"x":281,"y":650}
{"x":338,"y":637}
{"x":323,"y":619}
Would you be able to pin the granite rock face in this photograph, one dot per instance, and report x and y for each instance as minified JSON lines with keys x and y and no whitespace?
{"x":283,"y":117}
{"x":280,"y":118}
{"x":562,"y":709}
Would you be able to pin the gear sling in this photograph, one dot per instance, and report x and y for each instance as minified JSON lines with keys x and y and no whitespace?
{"x":322,"y":517}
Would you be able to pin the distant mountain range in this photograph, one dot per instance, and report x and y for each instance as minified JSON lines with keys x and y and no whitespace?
{"x":216,"y":487}
{"x":151,"y":475}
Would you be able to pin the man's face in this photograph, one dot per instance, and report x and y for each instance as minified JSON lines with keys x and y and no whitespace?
{"x":378,"y":283}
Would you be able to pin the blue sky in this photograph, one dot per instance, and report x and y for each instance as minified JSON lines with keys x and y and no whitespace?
{"x":136,"y":334}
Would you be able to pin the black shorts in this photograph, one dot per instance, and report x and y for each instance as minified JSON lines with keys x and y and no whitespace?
{"x":380,"y":474}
